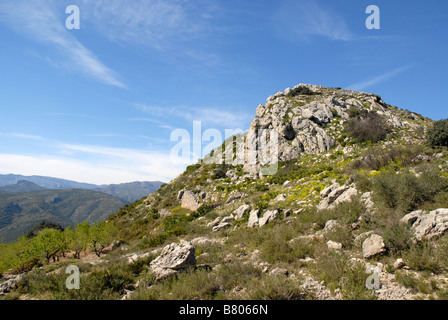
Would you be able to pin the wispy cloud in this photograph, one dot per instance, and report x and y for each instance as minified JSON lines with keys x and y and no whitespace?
{"x":38,"y":19}
{"x":159,"y":123}
{"x":22,"y":136}
{"x":168,"y":26}
{"x":208,"y":115}
{"x":303,"y":19}
{"x":362,"y":85}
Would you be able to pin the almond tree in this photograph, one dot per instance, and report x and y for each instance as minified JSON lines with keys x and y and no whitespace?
{"x":78,"y":238}
{"x":101,"y":235}
{"x":48,"y":243}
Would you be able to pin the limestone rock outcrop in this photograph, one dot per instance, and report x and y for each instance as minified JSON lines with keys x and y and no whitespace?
{"x":174,"y":258}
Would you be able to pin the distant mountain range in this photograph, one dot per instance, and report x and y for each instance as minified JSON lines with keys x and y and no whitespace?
{"x":131,"y":191}
{"x":26,"y":201}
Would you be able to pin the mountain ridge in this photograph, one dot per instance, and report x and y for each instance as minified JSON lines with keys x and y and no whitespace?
{"x":130,"y":191}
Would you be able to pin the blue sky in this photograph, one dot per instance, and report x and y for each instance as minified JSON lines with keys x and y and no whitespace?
{"x":98,"y":104}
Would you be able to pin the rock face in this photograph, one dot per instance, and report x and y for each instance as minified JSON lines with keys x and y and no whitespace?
{"x":372,"y":246}
{"x":427,"y":225}
{"x":190,"y":201}
{"x":174,"y":257}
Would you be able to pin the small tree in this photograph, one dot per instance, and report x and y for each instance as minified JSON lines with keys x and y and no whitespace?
{"x":48,"y":244}
{"x":78,"y":238}
{"x":437,"y":135}
{"x":100,"y":236}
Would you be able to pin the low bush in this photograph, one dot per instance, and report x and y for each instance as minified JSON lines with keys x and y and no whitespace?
{"x":407,"y":192}
{"x":423,"y":257}
{"x":437,"y":135}
{"x":371,"y":128}
{"x":275,"y":288}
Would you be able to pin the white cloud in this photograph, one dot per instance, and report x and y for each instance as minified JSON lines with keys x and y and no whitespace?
{"x":38,"y":19}
{"x":90,"y":163}
{"x":147,"y":167}
{"x":362,"y":85}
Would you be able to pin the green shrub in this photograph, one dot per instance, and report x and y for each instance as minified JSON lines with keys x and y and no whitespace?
{"x":275,"y":288}
{"x":354,"y":283}
{"x":220,"y":171}
{"x":417,"y":284}
{"x":341,"y":234}
{"x":371,"y":128}
{"x":335,"y":269}
{"x":423,"y":257}
{"x":330,"y":268}
{"x":407,"y":192}
{"x":279,"y":249}
{"x":301,"y":90}
{"x":378,"y":157}
{"x":437,"y":135}
{"x":355,"y":112}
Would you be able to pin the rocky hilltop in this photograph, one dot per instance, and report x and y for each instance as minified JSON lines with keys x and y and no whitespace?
{"x":356,"y":208}
{"x":310,"y":119}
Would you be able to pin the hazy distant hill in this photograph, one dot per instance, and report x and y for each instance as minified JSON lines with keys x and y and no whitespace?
{"x":22,"y":186}
{"x":127,"y":191}
{"x":130,"y":191}
{"x":19,"y":212}
{"x":46,"y":182}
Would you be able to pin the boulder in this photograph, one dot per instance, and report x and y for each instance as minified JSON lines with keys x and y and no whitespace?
{"x":286,"y":184}
{"x":332,"y":245}
{"x":346,"y":196}
{"x":224,"y":223}
{"x":253,"y":219}
{"x":334,"y":195}
{"x":190,"y":201}
{"x":6,"y":286}
{"x":231,"y":174}
{"x":427,"y":225}
{"x":164,"y":213}
{"x":221,"y":226}
{"x":235,"y":196}
{"x":331,"y":224}
{"x":398,"y":264}
{"x":214,"y":223}
{"x":173,"y":258}
{"x":239,"y":213}
{"x":372,"y":246}
{"x":366,"y":199}
{"x":268,"y":216}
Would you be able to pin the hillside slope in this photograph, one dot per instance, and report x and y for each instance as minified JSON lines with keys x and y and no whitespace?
{"x":352,"y":194}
